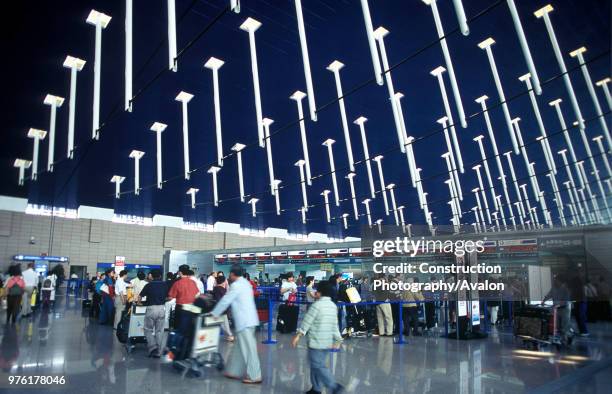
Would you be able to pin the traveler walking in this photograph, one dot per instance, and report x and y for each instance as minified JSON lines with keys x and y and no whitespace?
{"x":154,"y":293}
{"x":243,"y":362}
{"x":320,"y":324}
{"x":185,"y":292}
{"x":107,"y":291}
{"x":30,"y":278}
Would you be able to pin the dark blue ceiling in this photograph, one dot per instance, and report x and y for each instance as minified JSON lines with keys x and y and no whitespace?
{"x":37,"y":38}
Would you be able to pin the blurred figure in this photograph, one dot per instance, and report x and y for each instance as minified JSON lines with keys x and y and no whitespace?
{"x":138,"y":283}
{"x":577,"y":293}
{"x":30,"y":278}
{"x":15,"y":288}
{"x":603,"y":293}
{"x":560,"y":295}
{"x":211,"y":282}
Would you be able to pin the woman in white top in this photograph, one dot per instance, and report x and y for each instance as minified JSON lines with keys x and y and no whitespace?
{"x":288,"y":286}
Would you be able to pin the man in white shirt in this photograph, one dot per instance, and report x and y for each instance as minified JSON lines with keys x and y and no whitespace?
{"x":288,"y":286}
{"x":120,"y":296}
{"x":197,"y":281}
{"x":30,"y":277}
{"x":211,"y":281}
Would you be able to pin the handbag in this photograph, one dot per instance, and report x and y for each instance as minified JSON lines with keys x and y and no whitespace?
{"x":292,"y":298}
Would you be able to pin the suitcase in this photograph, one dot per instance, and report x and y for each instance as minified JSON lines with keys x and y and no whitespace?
{"x":353,"y":295}
{"x":123,"y":327}
{"x":534,"y":322}
{"x":287,"y":318}
{"x":86,"y":304}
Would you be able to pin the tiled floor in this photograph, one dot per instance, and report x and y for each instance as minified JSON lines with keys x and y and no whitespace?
{"x":63,"y":342}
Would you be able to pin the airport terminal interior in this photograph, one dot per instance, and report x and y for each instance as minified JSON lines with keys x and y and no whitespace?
{"x":306,"y":196}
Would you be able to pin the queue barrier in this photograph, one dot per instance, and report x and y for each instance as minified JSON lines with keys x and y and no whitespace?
{"x":444,"y":305}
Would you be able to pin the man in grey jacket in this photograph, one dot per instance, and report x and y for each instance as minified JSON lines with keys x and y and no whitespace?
{"x":243,"y":363}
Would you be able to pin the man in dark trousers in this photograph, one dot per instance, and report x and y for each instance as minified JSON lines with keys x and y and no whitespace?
{"x":153,"y":295}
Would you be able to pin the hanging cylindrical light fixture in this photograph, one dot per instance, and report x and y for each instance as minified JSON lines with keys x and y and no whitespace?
{"x":75,"y":65}
{"x":383,"y":187}
{"x":117,"y":180}
{"x":604,"y":85}
{"x":37,"y":135}
{"x":251,"y":25}
{"x":214,"y":65}
{"x":366,"y":153}
{"x":253,"y":202}
{"x":276,"y":194}
{"x":185,"y":98}
{"x":350,"y":177}
{"x":325,"y":195}
{"x":192,"y":192}
{"x":365,"y":8}
{"x":335,"y":67}
{"x":266,"y":122}
{"x":298,"y":96}
{"x":136,"y":155}
{"x":238,"y":147}
{"x":100,"y":21}
{"x":54,"y":102}
{"x":438,"y":74}
{"x":366,"y":202}
{"x":448,"y":61}
{"x":306,"y":61}
{"x":300,"y":164}
{"x":332,"y":168}
{"x":213,"y":170}
{"x":128,"y":56}
{"x":22,"y":164}
{"x":159,"y":128}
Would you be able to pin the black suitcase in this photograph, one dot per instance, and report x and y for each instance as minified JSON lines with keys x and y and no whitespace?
{"x":287,"y":318}
{"x":86,"y":304}
{"x":123,"y":327}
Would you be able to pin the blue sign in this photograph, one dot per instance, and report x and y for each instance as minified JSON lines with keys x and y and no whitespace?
{"x":53,"y":259}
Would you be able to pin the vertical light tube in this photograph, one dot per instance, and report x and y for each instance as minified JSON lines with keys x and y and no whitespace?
{"x":379,"y":35}
{"x":482,"y":101}
{"x":524,"y":46}
{"x":483,"y":155}
{"x":184,"y":98}
{"x":54,"y":102}
{"x":604,"y":85}
{"x":573,"y":188}
{"x":383,"y":187}
{"x":461,"y":18}
{"x":448,"y":61}
{"x":370,"y":33}
{"x":353,"y":197}
{"x":325,"y":195}
{"x":213,"y":170}
{"x":407,"y":139}
{"x":214,"y":65}
{"x":391,"y":188}
{"x":366,"y":153}
{"x":536,"y":109}
{"x":543,"y":13}
{"x":251,"y":25}
{"x":532,"y":176}
{"x":159,"y":128}
{"x":438,"y":74}
{"x":253,"y":202}
{"x":486,"y":45}
{"x":332,"y":167}
{"x":587,"y":79}
{"x":303,"y":212}
{"x":482,"y":191}
{"x":335,"y":67}
{"x":451,"y":173}
{"x":238,"y":147}
{"x":300,"y":164}
{"x":484,"y":224}
{"x":344,"y":220}
{"x":513,"y":176}
{"x":136,"y":155}
{"x":312,"y":106}
{"x":449,"y":147}
{"x":71,"y":112}
{"x":172,"y":36}
{"x":117,"y":180}
{"x":298,"y":96}
{"x":128,"y":55}
{"x":366,"y":202}
{"x":520,"y":214}
{"x":100,"y":21}
{"x":268,"y":142}
{"x":501,"y":211}
{"x":401,"y":215}
{"x":277,"y":196}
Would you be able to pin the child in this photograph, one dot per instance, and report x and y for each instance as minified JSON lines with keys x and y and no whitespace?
{"x":321,"y":326}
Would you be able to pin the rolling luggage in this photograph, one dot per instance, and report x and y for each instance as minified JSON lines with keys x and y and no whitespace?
{"x":86,"y":304}
{"x":123,"y":327}
{"x":287,"y":318}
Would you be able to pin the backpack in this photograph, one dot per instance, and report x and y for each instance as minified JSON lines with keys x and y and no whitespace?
{"x":15,"y":290}
{"x":47,"y":283}
{"x":99,"y":286}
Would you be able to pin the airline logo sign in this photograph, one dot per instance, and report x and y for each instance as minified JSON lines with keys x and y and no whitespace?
{"x":316,"y":253}
{"x":525,"y":245}
{"x":247,"y":256}
{"x":279,"y":255}
{"x":262,"y":256}
{"x":360,"y":252}
{"x":297,"y":254}
{"x":221,"y":258}
{"x":337,"y":252}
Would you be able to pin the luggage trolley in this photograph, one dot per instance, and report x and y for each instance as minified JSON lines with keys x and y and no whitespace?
{"x":537,"y":326}
{"x":205,"y":345}
{"x":136,"y":332}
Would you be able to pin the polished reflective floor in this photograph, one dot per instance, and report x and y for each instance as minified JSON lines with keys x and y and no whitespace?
{"x":63,"y":342}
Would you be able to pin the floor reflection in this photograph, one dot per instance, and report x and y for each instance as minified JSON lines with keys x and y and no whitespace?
{"x":62,"y":340}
